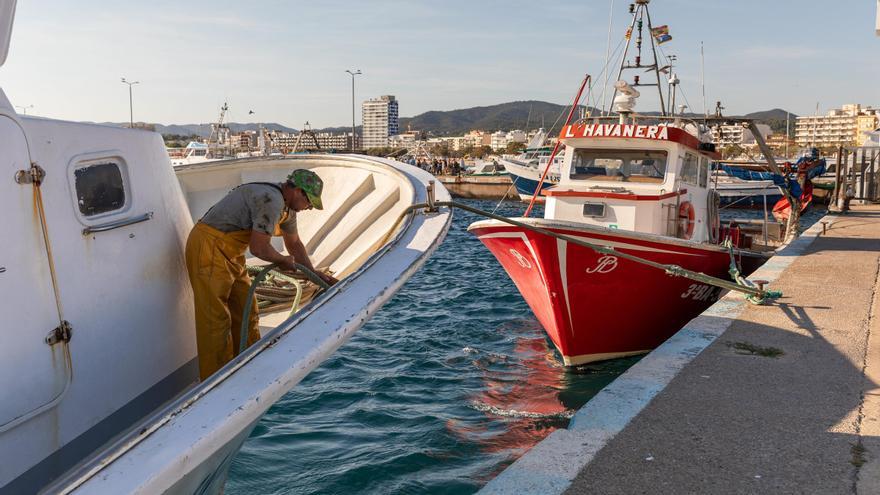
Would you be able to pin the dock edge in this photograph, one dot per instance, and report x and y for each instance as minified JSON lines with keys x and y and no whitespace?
{"x":551,"y":466}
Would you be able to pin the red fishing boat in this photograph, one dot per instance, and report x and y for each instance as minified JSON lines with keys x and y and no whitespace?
{"x":640,"y":190}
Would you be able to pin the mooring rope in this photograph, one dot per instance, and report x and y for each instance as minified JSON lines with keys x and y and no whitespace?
{"x":740,"y":284}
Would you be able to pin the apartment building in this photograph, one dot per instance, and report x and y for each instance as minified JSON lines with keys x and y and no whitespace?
{"x":728,"y":135}
{"x":381,"y":120}
{"x":865,"y":125}
{"x":839,"y":127}
{"x":500,"y":139}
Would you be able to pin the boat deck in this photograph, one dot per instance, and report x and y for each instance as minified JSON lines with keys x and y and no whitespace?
{"x":783,"y":398}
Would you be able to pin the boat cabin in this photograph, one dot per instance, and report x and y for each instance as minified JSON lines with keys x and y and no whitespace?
{"x":644,"y":178}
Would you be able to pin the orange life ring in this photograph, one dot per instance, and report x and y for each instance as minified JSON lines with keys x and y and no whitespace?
{"x":686,"y":221}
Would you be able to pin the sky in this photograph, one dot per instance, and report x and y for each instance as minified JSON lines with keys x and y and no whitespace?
{"x":286,"y":60}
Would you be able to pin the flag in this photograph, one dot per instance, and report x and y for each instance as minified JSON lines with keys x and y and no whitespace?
{"x":629,"y":30}
{"x":661,"y":34}
{"x":660,"y":31}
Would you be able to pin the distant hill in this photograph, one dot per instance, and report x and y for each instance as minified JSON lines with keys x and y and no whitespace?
{"x":515,"y":115}
{"x":504,"y":116}
{"x":775,"y":119}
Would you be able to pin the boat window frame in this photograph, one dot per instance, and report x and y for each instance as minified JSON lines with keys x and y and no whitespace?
{"x":704,"y":171}
{"x":641,"y":179}
{"x":85,"y":161}
{"x":692,"y":179}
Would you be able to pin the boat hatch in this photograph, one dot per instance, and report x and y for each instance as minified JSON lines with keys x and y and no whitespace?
{"x":616,"y":165}
{"x":7,"y":13}
{"x":34,"y":373}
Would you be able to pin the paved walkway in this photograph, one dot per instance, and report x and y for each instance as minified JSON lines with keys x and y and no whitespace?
{"x":787,"y":400}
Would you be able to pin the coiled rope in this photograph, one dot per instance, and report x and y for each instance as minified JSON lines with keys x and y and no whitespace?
{"x":282,"y":292}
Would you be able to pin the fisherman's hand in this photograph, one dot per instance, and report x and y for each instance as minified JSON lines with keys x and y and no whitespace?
{"x":289,"y":264}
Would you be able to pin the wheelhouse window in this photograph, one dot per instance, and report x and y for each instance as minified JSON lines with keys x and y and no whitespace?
{"x":99,"y":188}
{"x":689,"y":169}
{"x":704,"y":172}
{"x":619,"y":165}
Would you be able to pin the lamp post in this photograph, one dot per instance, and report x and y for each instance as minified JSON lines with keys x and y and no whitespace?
{"x":23,"y":108}
{"x":130,"y":108}
{"x":357,"y":72}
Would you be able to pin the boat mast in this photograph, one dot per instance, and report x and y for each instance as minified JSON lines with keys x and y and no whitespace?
{"x":215,"y":130}
{"x":639,"y":10}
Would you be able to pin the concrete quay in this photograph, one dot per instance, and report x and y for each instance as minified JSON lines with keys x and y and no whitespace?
{"x":781,"y":398}
{"x":479,"y":186}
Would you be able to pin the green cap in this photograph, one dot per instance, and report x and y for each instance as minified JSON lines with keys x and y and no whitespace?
{"x":310,"y":183}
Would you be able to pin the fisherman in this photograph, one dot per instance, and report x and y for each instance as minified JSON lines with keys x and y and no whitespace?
{"x":247,"y":217}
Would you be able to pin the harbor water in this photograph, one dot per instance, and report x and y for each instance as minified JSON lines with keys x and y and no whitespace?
{"x":444,"y":387}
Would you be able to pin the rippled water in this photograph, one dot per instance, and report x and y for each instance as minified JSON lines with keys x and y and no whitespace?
{"x":445,"y":386}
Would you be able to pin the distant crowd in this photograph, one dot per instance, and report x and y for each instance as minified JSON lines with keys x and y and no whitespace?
{"x":440,"y":166}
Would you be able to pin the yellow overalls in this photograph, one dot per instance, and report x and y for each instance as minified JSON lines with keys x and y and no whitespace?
{"x":216,"y":266}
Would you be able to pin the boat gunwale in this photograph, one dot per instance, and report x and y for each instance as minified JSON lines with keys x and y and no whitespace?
{"x":545,"y":223}
{"x":138,"y":432}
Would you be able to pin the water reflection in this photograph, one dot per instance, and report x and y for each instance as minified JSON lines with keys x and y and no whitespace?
{"x":527,"y":394}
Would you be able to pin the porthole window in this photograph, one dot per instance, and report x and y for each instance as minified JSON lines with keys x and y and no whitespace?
{"x":99,"y":188}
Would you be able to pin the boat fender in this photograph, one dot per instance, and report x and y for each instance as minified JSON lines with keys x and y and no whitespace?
{"x":686,"y":221}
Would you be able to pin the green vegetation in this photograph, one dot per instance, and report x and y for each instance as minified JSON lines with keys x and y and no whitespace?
{"x":178,"y":140}
{"x":384,"y":151}
{"x":504,"y":116}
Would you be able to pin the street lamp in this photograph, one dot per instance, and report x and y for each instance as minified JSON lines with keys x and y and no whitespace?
{"x":130,"y":110}
{"x":357,"y":72}
{"x":23,"y":108}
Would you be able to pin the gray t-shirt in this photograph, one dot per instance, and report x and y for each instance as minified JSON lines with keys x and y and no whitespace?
{"x":255,"y":206}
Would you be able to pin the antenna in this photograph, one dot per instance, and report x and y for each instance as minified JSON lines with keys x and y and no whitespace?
{"x":703,"y":81}
{"x":607,"y":56}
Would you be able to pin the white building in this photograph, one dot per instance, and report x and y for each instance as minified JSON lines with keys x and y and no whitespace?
{"x":839,"y":127}
{"x":728,"y":135}
{"x":403,"y":140}
{"x":380,"y":121}
{"x":501,"y":139}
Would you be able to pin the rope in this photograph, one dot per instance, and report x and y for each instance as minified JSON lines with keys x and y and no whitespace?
{"x":272,"y":295}
{"x":736,"y":275}
{"x":759,"y":295}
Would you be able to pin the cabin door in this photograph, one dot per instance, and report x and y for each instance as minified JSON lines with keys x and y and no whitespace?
{"x":33,"y":374}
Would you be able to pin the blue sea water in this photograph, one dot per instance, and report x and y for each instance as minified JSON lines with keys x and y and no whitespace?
{"x":445,"y":386}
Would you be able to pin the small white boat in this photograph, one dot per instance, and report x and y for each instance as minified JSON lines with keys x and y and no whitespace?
{"x":193,"y":153}
{"x":487,"y":168}
{"x":98,"y":373}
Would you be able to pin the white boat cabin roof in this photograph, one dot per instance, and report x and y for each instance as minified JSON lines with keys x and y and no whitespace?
{"x":635,"y":157}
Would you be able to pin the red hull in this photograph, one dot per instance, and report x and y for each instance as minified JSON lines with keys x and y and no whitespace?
{"x":595,"y":306}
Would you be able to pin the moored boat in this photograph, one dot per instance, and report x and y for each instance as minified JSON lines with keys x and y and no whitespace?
{"x":633,"y":209}
{"x":526,"y":168}
{"x":639,"y":189}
